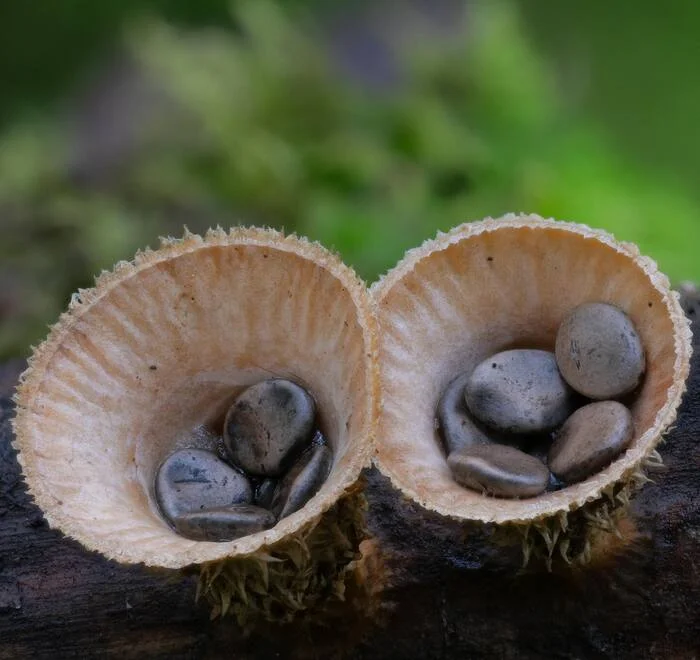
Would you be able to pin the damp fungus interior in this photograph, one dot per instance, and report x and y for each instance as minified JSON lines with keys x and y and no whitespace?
{"x":153,"y":357}
{"x":500,"y":284}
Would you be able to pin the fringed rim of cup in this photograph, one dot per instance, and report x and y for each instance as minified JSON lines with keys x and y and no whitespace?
{"x":82,"y":301}
{"x":577,"y":495}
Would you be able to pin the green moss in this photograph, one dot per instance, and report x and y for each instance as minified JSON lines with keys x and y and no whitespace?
{"x":258,"y":126}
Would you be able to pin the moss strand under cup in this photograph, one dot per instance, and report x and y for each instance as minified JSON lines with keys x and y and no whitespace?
{"x":499,"y":284}
{"x":149,"y":361}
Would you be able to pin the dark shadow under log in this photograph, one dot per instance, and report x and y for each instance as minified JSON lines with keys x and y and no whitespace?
{"x":450,"y":594}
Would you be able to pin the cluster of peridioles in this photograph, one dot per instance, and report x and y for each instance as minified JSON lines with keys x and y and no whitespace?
{"x":161,"y":344}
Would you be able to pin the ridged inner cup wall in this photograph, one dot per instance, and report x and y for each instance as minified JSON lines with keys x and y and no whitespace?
{"x":497,"y":284}
{"x":163,"y":345}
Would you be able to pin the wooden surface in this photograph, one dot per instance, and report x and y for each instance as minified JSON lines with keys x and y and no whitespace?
{"x":448,"y":598}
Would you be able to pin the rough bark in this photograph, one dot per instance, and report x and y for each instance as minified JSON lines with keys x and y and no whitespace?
{"x":449,"y":595}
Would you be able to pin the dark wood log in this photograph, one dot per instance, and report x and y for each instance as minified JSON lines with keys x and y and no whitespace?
{"x":448,"y":597}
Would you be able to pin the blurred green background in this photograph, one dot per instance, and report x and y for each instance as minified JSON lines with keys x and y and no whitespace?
{"x":367,"y":126}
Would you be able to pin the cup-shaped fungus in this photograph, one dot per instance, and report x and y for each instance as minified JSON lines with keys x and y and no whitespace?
{"x":148,"y":363}
{"x":471,"y":370}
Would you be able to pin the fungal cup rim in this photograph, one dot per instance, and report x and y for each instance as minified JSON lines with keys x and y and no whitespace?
{"x":474,"y":506}
{"x":31,"y":451}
